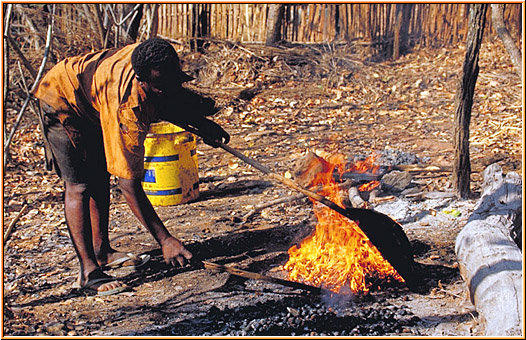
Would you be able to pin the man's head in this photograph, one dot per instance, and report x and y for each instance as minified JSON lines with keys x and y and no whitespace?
{"x":157,"y":66}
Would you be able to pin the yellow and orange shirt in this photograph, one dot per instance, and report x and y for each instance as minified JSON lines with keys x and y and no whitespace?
{"x":101,"y":87}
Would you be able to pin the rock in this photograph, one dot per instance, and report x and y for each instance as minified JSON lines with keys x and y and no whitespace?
{"x":391,"y":157}
{"x":308,"y":167}
{"x":56,"y":328}
{"x":396,"y":181}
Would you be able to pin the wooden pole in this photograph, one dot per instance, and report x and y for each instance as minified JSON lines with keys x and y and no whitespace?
{"x":274,"y":23}
{"x":11,"y":226}
{"x":5,"y":89}
{"x":154,"y":28}
{"x":397,"y":29}
{"x":464,"y":100}
{"x":99,"y":22}
{"x":260,"y":277}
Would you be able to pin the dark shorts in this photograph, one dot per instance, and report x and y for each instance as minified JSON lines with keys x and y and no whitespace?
{"x":78,"y":150}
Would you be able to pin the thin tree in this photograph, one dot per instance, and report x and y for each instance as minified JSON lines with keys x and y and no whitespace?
{"x":274,"y":20}
{"x":401,"y":29}
{"x":132,"y":32}
{"x":464,"y":100}
{"x":497,"y":19}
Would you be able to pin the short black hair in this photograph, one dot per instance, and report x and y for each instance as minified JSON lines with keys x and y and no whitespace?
{"x":154,"y":53}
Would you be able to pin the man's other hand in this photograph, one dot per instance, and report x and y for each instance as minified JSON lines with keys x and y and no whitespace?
{"x":174,"y":252}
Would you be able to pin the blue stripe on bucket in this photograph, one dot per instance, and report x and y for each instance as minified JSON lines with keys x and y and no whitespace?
{"x":177,"y":191}
{"x":162,"y":158}
{"x":149,"y":176}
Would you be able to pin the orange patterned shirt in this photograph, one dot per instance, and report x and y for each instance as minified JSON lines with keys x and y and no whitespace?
{"x":101,"y":87}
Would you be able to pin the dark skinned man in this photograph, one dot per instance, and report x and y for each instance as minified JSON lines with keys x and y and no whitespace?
{"x":97,"y":109}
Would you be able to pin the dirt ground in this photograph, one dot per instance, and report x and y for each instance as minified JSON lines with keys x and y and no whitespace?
{"x":353,"y":104}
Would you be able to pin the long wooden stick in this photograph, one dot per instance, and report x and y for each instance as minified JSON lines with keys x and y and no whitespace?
{"x":288,"y":182}
{"x":37,"y":79}
{"x":13,"y":222}
{"x":260,"y":277}
{"x":22,"y":57}
{"x":5,"y":89}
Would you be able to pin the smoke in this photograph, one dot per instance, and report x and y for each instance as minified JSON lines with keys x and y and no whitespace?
{"x":338,"y":301}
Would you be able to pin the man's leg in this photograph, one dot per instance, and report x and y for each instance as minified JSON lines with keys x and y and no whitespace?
{"x":77,"y":211}
{"x":73,"y":169}
{"x":99,"y":207}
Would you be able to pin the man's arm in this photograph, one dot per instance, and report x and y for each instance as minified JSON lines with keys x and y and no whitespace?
{"x":210,"y":131}
{"x":188,"y":110}
{"x":173,"y":249}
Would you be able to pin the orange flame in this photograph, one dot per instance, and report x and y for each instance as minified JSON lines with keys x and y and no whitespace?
{"x":367,"y":165}
{"x":338,"y":253}
{"x":369,"y":186}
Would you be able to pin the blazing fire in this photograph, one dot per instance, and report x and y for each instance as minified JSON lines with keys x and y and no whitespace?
{"x":338,"y":254}
{"x":369,"y":186}
{"x":367,"y":165}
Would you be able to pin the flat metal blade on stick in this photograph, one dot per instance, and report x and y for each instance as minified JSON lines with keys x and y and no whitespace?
{"x":386,"y":234}
{"x":260,"y":277}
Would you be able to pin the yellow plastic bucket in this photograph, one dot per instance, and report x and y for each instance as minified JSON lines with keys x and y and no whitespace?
{"x":170,"y":165}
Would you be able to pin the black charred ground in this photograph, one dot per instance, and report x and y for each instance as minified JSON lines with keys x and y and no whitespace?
{"x":296,"y":316}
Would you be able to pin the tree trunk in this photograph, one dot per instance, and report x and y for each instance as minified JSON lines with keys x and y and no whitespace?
{"x":497,"y":18}
{"x":397,"y":28}
{"x":401,"y":29}
{"x":274,"y":19}
{"x":464,"y":100}
{"x":103,"y":32}
{"x":489,"y":260}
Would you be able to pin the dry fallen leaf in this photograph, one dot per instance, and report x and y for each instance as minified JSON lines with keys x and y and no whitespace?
{"x":232,"y":165}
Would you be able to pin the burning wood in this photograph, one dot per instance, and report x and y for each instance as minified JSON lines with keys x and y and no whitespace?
{"x":362,"y":177}
{"x":338,"y":253}
{"x":377,"y":235}
{"x":369,"y":186}
{"x":311,"y":166}
{"x":355,"y":199}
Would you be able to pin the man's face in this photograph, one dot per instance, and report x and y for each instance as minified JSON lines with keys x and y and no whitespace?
{"x":184,"y":104}
{"x":161,"y":83}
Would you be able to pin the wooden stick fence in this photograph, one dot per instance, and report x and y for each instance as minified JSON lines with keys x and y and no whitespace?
{"x":428,"y":24}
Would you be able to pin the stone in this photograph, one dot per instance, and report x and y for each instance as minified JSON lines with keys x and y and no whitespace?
{"x":56,"y":328}
{"x":396,"y":181}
